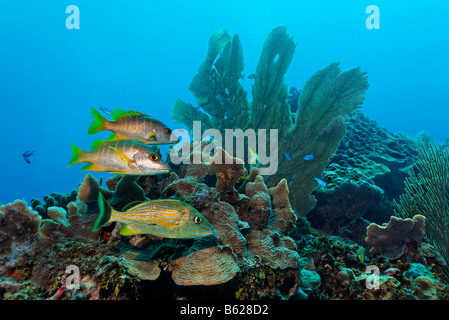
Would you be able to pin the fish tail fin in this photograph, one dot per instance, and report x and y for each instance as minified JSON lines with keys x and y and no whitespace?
{"x":77,"y":155}
{"x":105,"y":215}
{"x":98,"y":124}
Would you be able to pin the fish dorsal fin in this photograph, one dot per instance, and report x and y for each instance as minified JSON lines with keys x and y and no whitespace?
{"x":123,"y":158}
{"x":137,"y":113}
{"x":117,"y":114}
{"x":96,"y":143}
{"x":131,"y":205}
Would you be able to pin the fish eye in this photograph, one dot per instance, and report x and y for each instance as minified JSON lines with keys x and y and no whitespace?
{"x":197,"y":220}
{"x":153,"y":157}
{"x":167,"y":131}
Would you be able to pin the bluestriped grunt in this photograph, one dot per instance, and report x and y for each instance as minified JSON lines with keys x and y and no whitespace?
{"x":132,"y":125}
{"x":168,"y":218}
{"x":120,"y":157}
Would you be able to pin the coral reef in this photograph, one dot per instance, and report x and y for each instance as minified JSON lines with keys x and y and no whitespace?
{"x":318,"y":126}
{"x":338,"y":273}
{"x":257,"y":252}
{"x":238,"y":243}
{"x":212,"y":260}
{"x":264,"y":246}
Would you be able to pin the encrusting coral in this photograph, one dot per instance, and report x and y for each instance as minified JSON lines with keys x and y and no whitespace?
{"x":343,"y":205}
{"x":379,"y":154}
{"x":18,"y":225}
{"x":315,"y":129}
{"x":390,"y":240}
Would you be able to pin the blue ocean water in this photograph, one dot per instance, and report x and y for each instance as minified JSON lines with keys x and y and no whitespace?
{"x":142,"y":55}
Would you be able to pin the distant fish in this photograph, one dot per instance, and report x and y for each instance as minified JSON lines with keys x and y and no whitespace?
{"x":168,"y":218}
{"x":361,"y":254}
{"x":26,"y":155}
{"x":321,"y":182}
{"x":120,"y":157}
{"x":293,"y":99}
{"x":287,"y":156}
{"x":253,"y":160}
{"x":132,"y":125}
{"x":308,"y":157}
{"x":105,"y":110}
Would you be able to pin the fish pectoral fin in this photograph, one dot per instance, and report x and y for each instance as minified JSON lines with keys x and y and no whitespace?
{"x":122,"y":157}
{"x":127,"y":230}
{"x":115,"y":137}
{"x":151,"y":137}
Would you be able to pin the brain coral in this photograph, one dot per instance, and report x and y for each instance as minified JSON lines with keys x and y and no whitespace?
{"x":213,"y":265}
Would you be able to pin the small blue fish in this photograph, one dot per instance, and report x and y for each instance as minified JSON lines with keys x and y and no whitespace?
{"x":321,"y":182}
{"x":308,"y":157}
{"x":287,"y":156}
{"x":26,"y":155}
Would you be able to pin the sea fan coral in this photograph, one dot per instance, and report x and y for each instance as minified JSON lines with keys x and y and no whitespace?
{"x":316,"y":128}
{"x":427,"y":194}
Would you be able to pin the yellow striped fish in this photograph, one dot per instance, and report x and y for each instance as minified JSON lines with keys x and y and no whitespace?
{"x":168,"y":218}
{"x":120,"y":157}
{"x":132,"y":125}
